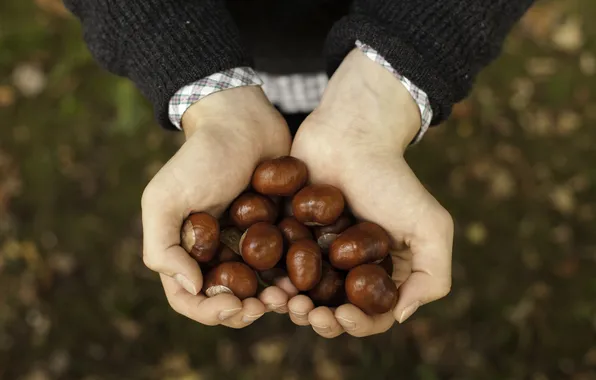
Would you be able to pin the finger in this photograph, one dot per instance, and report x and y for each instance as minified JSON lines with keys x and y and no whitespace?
{"x":299,"y":307}
{"x":324,"y":323}
{"x":430,"y":279}
{"x":275,"y":299}
{"x":356,"y":323}
{"x":208,"y":311}
{"x":286,"y":285}
{"x":402,"y":266}
{"x":252,"y":309}
{"x":161,"y":238}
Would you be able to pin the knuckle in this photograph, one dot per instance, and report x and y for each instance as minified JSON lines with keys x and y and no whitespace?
{"x":446,"y":220}
{"x":443,"y":289}
{"x":150,"y":261}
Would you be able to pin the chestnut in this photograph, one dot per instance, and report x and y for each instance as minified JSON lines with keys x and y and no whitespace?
{"x":330,"y":290}
{"x":304,"y":264}
{"x":200,"y":236}
{"x":292,"y":230}
{"x":231,"y":277}
{"x":370,"y":288}
{"x":363,"y":243}
{"x":231,"y":238}
{"x":251,"y":208}
{"x":282,"y":176}
{"x":325,"y":235}
{"x":225,"y":253}
{"x":222,"y":255}
{"x":261,"y":246}
{"x":318,"y":205}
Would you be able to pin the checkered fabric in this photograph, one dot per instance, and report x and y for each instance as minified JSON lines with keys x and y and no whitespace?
{"x":291,"y":93}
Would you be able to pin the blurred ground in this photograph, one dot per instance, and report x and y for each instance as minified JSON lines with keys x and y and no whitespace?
{"x":516,"y":166}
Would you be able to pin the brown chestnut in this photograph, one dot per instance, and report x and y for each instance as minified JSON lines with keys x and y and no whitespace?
{"x":231,"y":277}
{"x":225,"y":253}
{"x":231,"y":238}
{"x":318,"y":205}
{"x":325,"y":235}
{"x":363,"y":243}
{"x":292,"y":230}
{"x":261,"y":246}
{"x":251,"y":208}
{"x":370,"y":288}
{"x":304,"y":264}
{"x":330,"y":290}
{"x":282,"y":176}
{"x":200,"y":236}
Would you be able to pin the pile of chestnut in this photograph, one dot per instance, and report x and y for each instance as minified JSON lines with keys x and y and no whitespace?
{"x":283,"y":227}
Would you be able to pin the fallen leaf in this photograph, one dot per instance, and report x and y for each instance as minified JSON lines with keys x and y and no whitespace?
{"x":55,"y":7}
{"x":6,"y":96}
{"x":568,"y":36}
{"x":29,"y":79}
{"x":476,"y":233}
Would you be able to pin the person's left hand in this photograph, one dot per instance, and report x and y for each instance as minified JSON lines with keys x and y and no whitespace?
{"x":355,"y":141}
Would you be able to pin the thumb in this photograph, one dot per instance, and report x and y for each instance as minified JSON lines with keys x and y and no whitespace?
{"x":161,"y":243}
{"x":430,"y":279}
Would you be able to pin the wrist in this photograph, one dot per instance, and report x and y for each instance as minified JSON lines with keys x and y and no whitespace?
{"x":363,"y":91}
{"x":243,"y":113}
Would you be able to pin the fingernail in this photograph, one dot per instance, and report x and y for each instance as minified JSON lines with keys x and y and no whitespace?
{"x":301,"y":315}
{"x":408,"y":311}
{"x":186,"y":284}
{"x":346,"y":323}
{"x":280,"y":308}
{"x":228,"y":313}
{"x":251,"y":318}
{"x":321,"y":329}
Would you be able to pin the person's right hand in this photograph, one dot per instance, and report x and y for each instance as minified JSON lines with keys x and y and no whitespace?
{"x":227,"y":135}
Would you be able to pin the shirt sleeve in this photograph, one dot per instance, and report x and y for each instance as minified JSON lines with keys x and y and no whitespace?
{"x":193,"y":92}
{"x":161,"y":45}
{"x":440,"y":46}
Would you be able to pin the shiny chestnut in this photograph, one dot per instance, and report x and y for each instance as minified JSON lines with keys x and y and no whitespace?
{"x":292,"y":230}
{"x":370,"y":288}
{"x":282,"y":176}
{"x":330,"y":291}
{"x":231,"y":277}
{"x":261,"y":246}
{"x":318,"y":205}
{"x":363,"y":243}
{"x":250,"y":208}
{"x":325,"y":235}
{"x":200,"y":236}
{"x":304,"y":264}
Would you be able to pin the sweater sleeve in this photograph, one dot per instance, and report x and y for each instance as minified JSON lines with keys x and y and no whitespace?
{"x":161,"y":45}
{"x":441,"y":46}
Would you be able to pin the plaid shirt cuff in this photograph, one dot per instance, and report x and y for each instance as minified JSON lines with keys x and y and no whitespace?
{"x":426,"y":113}
{"x":294,"y":93}
{"x":224,"y":80}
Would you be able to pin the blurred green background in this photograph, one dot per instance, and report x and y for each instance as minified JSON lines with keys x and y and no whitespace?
{"x":516,"y":166}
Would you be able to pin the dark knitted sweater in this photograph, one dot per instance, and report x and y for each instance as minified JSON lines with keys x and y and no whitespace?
{"x":162,"y":45}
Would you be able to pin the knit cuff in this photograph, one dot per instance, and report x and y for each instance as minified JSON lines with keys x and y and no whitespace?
{"x":170,"y":44}
{"x":402,"y":57}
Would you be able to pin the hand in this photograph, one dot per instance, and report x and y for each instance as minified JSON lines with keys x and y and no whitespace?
{"x":227,"y":135}
{"x":355,"y":141}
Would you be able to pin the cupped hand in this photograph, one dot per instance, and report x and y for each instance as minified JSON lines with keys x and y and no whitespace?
{"x":355,"y":141}
{"x":227,"y":135}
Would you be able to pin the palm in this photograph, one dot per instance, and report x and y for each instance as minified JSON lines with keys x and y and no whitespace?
{"x":380,"y":187}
